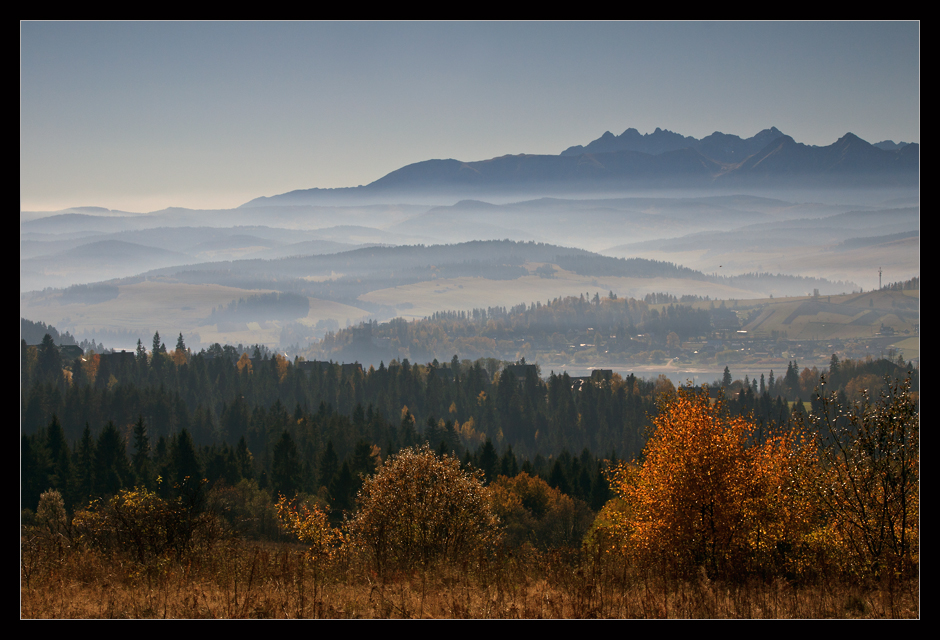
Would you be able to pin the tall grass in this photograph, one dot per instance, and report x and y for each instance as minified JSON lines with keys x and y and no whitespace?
{"x":236,"y":579}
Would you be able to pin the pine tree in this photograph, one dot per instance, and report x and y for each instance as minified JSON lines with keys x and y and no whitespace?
{"x":49,"y":361}
{"x":329,"y":464}
{"x":342,"y":489}
{"x":835,"y":370}
{"x":32,"y":473}
{"x":84,"y":468}
{"x":244,"y":458}
{"x":141,"y":460}
{"x":559,"y":479}
{"x":141,"y":356}
{"x":60,"y":460}
{"x":112,"y":469}
{"x":488,"y":461}
{"x":285,"y":468}
{"x":508,"y":465}
{"x":185,"y":463}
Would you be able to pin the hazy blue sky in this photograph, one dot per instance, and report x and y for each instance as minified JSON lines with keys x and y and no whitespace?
{"x":142,"y":116}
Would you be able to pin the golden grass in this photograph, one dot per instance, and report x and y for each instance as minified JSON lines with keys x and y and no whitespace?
{"x":262,"y":580}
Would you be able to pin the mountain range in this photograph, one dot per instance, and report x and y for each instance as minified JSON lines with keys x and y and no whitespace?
{"x":631,"y":161}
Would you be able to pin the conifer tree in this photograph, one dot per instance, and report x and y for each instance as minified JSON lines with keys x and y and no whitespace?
{"x":141,"y":460}
{"x":112,"y":469}
{"x":329,"y":465}
{"x":285,"y":468}
{"x":84,"y":468}
{"x":183,"y":455}
{"x":49,"y":361}
{"x":60,"y":459}
{"x":488,"y":461}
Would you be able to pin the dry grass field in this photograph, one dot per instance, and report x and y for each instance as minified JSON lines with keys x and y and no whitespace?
{"x":264,"y":580}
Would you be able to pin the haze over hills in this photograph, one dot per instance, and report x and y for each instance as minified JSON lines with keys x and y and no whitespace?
{"x":378,"y":283}
{"x":733,"y":217}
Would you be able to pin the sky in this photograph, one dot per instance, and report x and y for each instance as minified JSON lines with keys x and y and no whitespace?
{"x":140,"y":116}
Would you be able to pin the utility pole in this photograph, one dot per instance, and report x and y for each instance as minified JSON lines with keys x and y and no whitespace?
{"x":879,"y":278}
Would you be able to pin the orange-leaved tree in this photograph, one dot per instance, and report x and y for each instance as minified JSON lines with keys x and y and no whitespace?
{"x":707,"y":495}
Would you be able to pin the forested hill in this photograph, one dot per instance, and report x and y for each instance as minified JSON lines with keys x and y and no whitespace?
{"x":345,"y":276}
{"x":33,"y":333}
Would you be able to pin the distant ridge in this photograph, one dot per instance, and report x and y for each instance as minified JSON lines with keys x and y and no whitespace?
{"x":722,"y":147}
{"x":849,"y":157}
{"x":662,"y":159}
{"x":891,"y":145}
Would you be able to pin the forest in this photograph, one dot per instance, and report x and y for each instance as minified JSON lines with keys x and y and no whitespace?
{"x":161,"y":457}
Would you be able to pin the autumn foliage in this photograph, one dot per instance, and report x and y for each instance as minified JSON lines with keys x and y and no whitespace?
{"x":420,"y":507}
{"x":139,"y":522}
{"x":870,"y":479}
{"x":709,"y":496}
{"x":533,"y":512}
{"x":310,"y":526}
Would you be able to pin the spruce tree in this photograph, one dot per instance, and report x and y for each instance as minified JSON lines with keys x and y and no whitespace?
{"x":285,"y":468}
{"x":141,"y":460}
{"x":112,"y":469}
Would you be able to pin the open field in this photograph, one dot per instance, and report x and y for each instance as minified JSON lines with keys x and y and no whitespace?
{"x":860,"y":315}
{"x":252,"y":580}
{"x":424,"y":298}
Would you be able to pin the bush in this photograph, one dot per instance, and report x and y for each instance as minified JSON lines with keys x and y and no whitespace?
{"x":310,"y":526}
{"x":246,"y":510}
{"x":51,"y":514}
{"x":139,"y":522}
{"x":418,"y":508}
{"x":533,"y":512}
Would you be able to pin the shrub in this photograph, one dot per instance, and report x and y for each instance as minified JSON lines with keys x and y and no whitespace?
{"x":534,"y":512}
{"x":139,"y":522}
{"x":311,"y":527}
{"x":246,"y":510}
{"x":418,"y":508}
{"x":51,"y":513}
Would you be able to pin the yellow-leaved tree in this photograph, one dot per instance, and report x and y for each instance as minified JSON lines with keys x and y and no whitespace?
{"x":707,"y":495}
{"x":420,"y":507}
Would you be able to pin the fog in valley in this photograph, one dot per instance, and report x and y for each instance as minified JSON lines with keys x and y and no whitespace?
{"x":486,"y":181}
{"x":98,"y":273}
